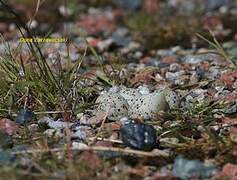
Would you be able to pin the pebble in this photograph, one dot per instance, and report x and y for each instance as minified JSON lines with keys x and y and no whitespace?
{"x":5,"y":140}
{"x":119,"y":38}
{"x":186,"y":169}
{"x":139,"y":136}
{"x":105,"y":44}
{"x":32,"y":24}
{"x":56,"y":133}
{"x":158,"y":77}
{"x":25,"y":116}
{"x":126,"y":120}
{"x":64,"y":11}
{"x":195,"y":59}
{"x":132,"y":46}
{"x":79,"y":145}
{"x":215,"y":4}
{"x":33,"y":127}
{"x":6,"y":157}
{"x":130,"y":4}
{"x":174,"y":67}
{"x":54,"y":124}
{"x":82,"y":132}
{"x":137,"y":55}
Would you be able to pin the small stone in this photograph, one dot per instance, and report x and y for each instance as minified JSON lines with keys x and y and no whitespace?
{"x":130,"y":4}
{"x":32,"y":24}
{"x":125,"y":120}
{"x":173,"y":76}
{"x":139,"y":136}
{"x":82,"y":132}
{"x":215,"y":4}
{"x":3,"y":27}
{"x":175,"y":67}
{"x":120,"y":41}
{"x":33,"y":127}
{"x":5,"y":140}
{"x":64,"y":11}
{"x":229,"y":171}
{"x":54,"y":124}
{"x":8,"y":126}
{"x":132,"y":46}
{"x":105,"y":44}
{"x":137,"y":55}
{"x":56,"y":133}
{"x":195,"y":59}
{"x":78,"y":145}
{"x":186,"y":169}
{"x":25,"y":116}
{"x":6,"y":157}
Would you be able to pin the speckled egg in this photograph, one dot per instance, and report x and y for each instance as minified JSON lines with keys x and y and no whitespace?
{"x":172,"y":98}
{"x":148,"y":106}
{"x":122,"y":102}
{"x":113,"y":104}
{"x":129,"y":94}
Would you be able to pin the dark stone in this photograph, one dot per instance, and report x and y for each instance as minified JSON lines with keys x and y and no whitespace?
{"x":5,"y":140}
{"x":156,"y":62}
{"x":215,"y":4}
{"x":24,"y":116}
{"x":201,"y":73}
{"x":130,"y":4}
{"x":139,"y":136}
{"x":163,"y":65}
{"x":6,"y":157}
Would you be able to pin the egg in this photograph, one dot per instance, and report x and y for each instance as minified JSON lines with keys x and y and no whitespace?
{"x":129,"y":94}
{"x":129,"y":102}
{"x":148,"y":106}
{"x":172,"y":99}
{"x":113,"y":104}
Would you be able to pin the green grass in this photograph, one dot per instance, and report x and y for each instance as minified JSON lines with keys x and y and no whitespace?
{"x":218,"y":48}
{"x":38,"y":86}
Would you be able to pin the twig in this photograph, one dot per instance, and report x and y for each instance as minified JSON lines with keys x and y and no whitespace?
{"x":98,"y":148}
{"x":38,"y":113}
{"x":50,"y":112}
{"x":108,"y":140}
